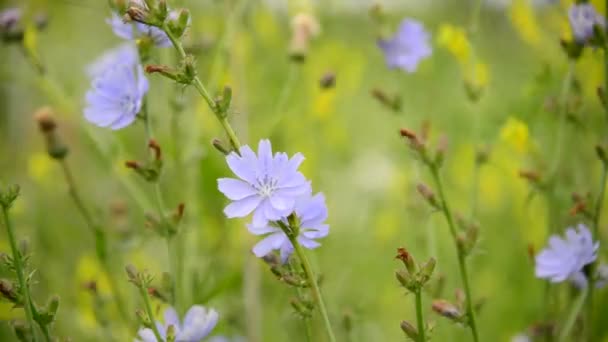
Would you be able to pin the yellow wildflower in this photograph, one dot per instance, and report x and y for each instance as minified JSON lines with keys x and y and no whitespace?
{"x":515,"y":133}
{"x":524,"y":21}
{"x":455,"y":40}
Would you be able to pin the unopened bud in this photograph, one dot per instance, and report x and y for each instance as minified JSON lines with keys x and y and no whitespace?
{"x":406,"y":280}
{"x":441,"y":149}
{"x":155,"y":147}
{"x":217,"y":143}
{"x":328,"y":80}
{"x":407,"y":259}
{"x":428,"y":195}
{"x":426,"y":272}
{"x":171,"y":333}
{"x":143,"y":318}
{"x":133,"y":274}
{"x":223,"y":103}
{"x":178,"y":22}
{"x":22,"y":331}
{"x":7,"y":290}
{"x":531,"y":176}
{"x":391,"y":102}
{"x":304,"y":27}
{"x":447,"y":309}
{"x":47,"y":124}
{"x":302,"y":309}
{"x":52,"y":306}
{"x":409,"y":330}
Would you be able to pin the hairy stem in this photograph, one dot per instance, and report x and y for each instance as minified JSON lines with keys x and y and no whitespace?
{"x":144,"y":295}
{"x":314,"y":286}
{"x":462,"y":265}
{"x":19,"y":270}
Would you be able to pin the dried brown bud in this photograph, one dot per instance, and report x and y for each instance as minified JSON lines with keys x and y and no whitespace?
{"x":447,"y":309}
{"x":407,"y":259}
{"x":132,"y":164}
{"x":532,"y":176}
{"x":46,"y":121}
{"x":155,"y":147}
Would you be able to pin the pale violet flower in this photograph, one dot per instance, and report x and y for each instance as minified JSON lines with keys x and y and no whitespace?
{"x":125,"y":53}
{"x":135,"y":30}
{"x":197,"y":324}
{"x":565,"y":258}
{"x":117,"y":89}
{"x":311,"y":213}
{"x":583,"y":17}
{"x":407,"y":47}
{"x":268,"y":185}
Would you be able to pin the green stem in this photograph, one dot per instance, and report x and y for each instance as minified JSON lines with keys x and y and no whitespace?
{"x":204,"y":93}
{"x":18,"y":263}
{"x":475,"y":190}
{"x":476,"y":14}
{"x":314,"y":286}
{"x":576,"y":308}
{"x":100,"y":238}
{"x":144,"y":295}
{"x":462,"y":265}
{"x":419,"y":318}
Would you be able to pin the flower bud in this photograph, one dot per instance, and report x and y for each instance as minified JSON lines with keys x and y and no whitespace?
{"x":217,"y":143}
{"x":133,"y":274}
{"x":178,"y":22}
{"x":143,"y":318}
{"x":222,"y":104}
{"x":8,"y":291}
{"x":407,"y":259}
{"x":328,"y":80}
{"x":22,"y":331}
{"x":447,"y":309}
{"x":8,"y":195}
{"x":406,"y":280}
{"x":171,"y":333}
{"x":391,"y":102}
{"x":427,"y":270}
{"x":47,"y":124}
{"x":304,"y":27}
{"x":301,"y":308}
{"x":428,"y":195}
{"x":409,"y":330}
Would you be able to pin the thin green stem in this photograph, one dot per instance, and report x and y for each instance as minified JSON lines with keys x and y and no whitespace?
{"x":574,"y":312}
{"x":18,"y":264}
{"x":100,"y":238}
{"x":306,"y":321}
{"x":462,"y":265}
{"x":419,"y":318}
{"x":314,"y":286}
{"x":144,"y":295}
{"x":198,"y":84}
{"x":475,"y":189}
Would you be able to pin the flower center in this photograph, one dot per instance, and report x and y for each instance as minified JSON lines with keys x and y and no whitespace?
{"x":127,"y":103}
{"x":266,"y":186}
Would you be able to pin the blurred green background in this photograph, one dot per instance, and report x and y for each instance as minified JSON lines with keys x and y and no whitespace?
{"x":353,"y":154}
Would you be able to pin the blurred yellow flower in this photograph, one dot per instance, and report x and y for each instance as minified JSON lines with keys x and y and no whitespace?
{"x":455,"y":40}
{"x":515,"y":133}
{"x":323,"y":103}
{"x":524,"y":21}
{"x":39,"y":167}
{"x":478,"y":75}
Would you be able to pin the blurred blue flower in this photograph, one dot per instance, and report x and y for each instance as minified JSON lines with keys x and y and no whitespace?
{"x":117,"y":89}
{"x":125,"y":53}
{"x":198,"y":323}
{"x":134,"y":31}
{"x":583,"y":17}
{"x":565,"y":258}
{"x":311,"y":212}
{"x":407,"y":47}
{"x":268,"y":185}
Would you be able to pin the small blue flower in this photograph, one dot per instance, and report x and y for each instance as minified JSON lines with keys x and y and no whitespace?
{"x":583,"y":17}
{"x":311,"y":213}
{"x":134,"y":31}
{"x":268,"y":185}
{"x":565,"y":258}
{"x":197,"y":324}
{"x":407,"y":47}
{"x":117,"y":89}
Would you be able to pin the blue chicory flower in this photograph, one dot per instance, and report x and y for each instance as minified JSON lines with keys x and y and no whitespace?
{"x":268,"y":186}
{"x":117,"y":89}
{"x":134,"y":31}
{"x":583,"y":17}
{"x":311,"y":212}
{"x":565,"y":258}
{"x":407,"y":47}
{"x":198,"y":323}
